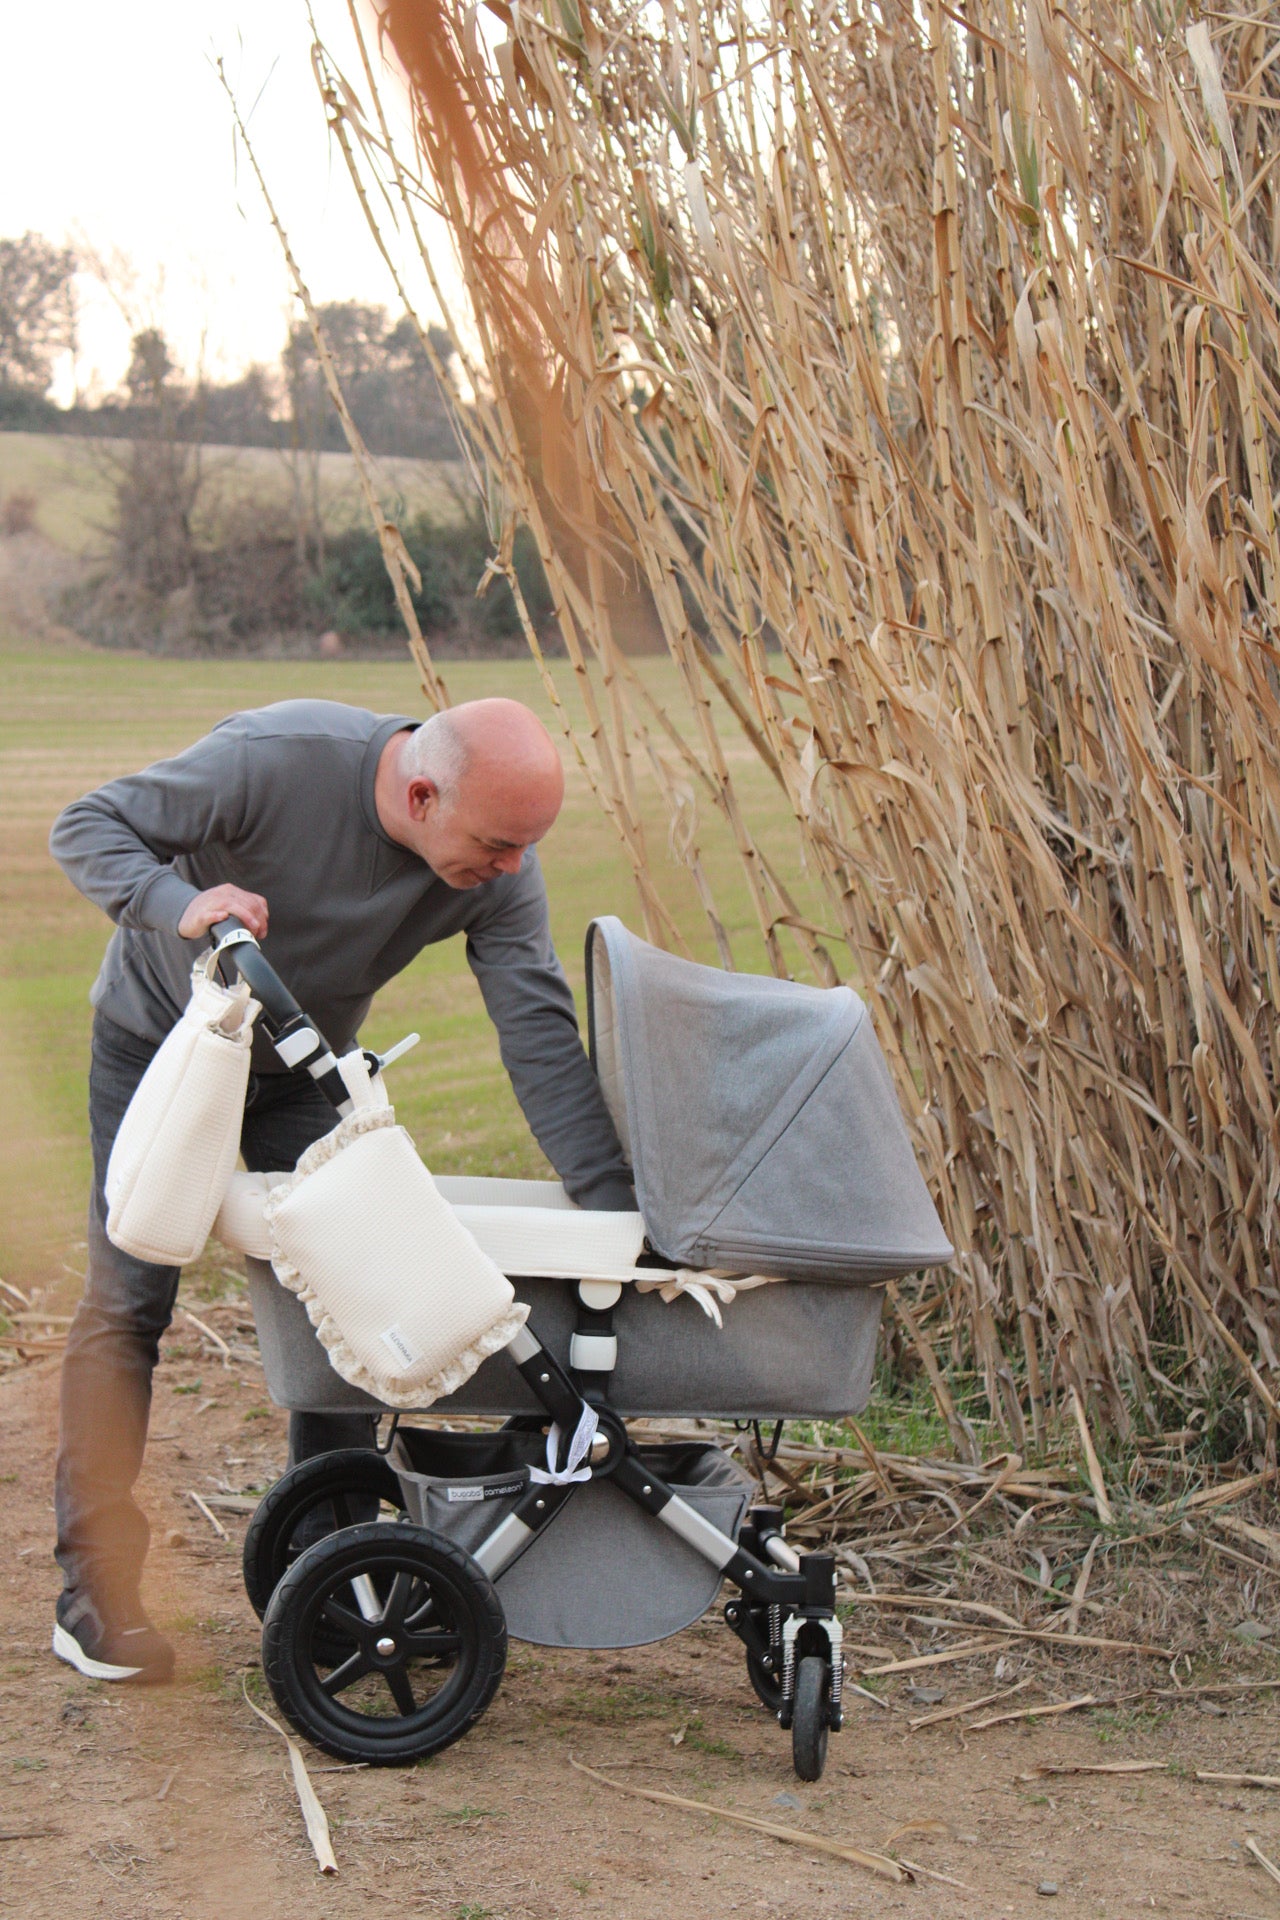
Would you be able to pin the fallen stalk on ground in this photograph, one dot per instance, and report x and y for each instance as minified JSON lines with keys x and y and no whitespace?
{"x":877,"y":1863}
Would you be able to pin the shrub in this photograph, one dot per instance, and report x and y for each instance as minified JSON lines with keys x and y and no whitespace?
{"x":17,"y":515}
{"x":248,"y":582}
{"x":352,"y":592}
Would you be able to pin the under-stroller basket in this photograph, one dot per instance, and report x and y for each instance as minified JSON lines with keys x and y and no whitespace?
{"x":600,"y":1574}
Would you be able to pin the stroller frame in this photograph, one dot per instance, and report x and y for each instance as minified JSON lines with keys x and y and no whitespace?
{"x":785,"y":1614}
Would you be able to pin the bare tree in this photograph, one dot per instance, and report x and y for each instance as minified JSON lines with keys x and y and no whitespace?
{"x":159,"y":477}
{"x":37,"y":314}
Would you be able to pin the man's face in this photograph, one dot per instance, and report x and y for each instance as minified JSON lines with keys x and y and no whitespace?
{"x":474,"y":836}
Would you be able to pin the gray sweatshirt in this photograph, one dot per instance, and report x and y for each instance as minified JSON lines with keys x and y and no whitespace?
{"x":281,"y":802}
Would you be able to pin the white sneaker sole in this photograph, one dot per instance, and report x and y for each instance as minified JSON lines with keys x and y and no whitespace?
{"x":68,"y":1648}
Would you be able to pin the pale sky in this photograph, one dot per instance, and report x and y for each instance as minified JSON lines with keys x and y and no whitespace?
{"x":115,"y":132}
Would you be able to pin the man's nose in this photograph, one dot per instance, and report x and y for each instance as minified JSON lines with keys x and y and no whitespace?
{"x":509,"y":862}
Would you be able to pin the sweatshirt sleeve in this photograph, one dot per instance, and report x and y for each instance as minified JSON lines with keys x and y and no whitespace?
{"x":529,"y":1001}
{"x":118,"y":844}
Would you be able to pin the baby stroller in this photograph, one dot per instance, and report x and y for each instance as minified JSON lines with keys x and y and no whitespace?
{"x":765,"y":1138}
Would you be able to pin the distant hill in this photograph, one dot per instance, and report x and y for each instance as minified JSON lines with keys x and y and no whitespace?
{"x":70,"y":481}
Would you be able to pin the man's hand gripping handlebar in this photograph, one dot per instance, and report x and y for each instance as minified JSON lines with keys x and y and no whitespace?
{"x":211,"y":908}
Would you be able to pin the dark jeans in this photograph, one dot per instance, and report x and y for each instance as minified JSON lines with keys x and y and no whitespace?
{"x":114,"y":1340}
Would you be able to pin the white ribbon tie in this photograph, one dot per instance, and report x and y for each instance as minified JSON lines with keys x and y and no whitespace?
{"x":580,"y":1445}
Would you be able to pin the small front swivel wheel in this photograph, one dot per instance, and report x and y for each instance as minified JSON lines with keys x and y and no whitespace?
{"x":811,"y":1717}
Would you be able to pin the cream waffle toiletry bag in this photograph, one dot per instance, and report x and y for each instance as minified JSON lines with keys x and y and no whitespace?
{"x":177,"y":1144}
{"x":400,"y":1294}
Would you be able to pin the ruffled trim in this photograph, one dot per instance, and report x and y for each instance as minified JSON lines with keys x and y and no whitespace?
{"x":344,"y":1362}
{"x":356,"y":1374}
{"x":327,"y":1147}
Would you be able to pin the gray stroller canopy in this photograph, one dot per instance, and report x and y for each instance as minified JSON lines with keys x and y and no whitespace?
{"x":759,"y":1118}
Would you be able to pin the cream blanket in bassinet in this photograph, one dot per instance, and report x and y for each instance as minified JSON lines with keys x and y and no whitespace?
{"x":525,"y":1227}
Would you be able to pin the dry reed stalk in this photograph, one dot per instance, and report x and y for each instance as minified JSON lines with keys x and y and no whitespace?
{"x":1238,"y":1779}
{"x":1265,"y":1537}
{"x":924,"y":366}
{"x":314,"y":1818}
{"x":1071,"y":1618}
{"x":964,"y":1651}
{"x":203,"y":1507}
{"x":878,"y":1863}
{"x":1103,"y":1766}
{"x":1043,"y":1711}
{"x":1269,"y":1866}
{"x":1159,"y":1766}
{"x":1093,"y":1466}
{"x":967,"y":1706}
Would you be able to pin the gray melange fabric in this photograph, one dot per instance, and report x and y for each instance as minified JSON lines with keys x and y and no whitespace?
{"x":762,"y":1126}
{"x":803,"y":1349}
{"x":281,"y":802}
{"x":602,"y":1573}
{"x":606,"y":1574}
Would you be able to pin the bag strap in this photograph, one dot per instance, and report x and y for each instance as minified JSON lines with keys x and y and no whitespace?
{"x":229,"y":1010}
{"x":367,"y":1092}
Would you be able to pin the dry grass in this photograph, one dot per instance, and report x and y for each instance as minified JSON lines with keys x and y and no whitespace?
{"x":922,"y":362}
{"x":963,"y":1582}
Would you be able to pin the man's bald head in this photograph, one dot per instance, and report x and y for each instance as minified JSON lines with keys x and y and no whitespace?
{"x":497,"y":742}
{"x":471,"y":789}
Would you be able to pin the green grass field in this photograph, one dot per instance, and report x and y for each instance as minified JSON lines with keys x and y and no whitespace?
{"x":70,"y":481}
{"x":71,"y":719}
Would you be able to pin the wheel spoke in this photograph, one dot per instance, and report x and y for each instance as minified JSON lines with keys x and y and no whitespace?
{"x":421,"y":1615}
{"x":401,"y":1692}
{"x":342,"y":1617}
{"x":398,"y":1600}
{"x":433,"y":1646}
{"x":350,"y":1671}
{"x":342,"y":1508}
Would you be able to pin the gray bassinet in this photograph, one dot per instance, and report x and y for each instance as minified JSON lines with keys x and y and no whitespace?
{"x":790,"y":1350}
{"x":765,"y":1136}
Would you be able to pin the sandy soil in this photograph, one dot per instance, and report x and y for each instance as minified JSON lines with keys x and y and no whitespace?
{"x":176,"y":1803}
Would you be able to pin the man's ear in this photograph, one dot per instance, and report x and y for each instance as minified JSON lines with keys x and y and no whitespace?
{"x":420,"y":796}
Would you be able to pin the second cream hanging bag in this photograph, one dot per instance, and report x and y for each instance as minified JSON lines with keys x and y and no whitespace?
{"x":401,"y":1296}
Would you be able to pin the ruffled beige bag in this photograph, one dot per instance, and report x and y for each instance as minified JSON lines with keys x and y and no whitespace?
{"x":176,"y":1148}
{"x":402,"y":1298}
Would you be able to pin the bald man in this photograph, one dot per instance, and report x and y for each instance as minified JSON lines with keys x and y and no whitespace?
{"x":346,"y":841}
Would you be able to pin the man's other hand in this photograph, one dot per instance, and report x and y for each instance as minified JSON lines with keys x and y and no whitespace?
{"x":207,"y":909}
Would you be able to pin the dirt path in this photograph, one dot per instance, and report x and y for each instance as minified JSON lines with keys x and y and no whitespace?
{"x":177,"y":1804}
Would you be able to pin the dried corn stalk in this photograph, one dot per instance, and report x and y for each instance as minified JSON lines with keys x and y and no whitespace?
{"x":921,"y":362}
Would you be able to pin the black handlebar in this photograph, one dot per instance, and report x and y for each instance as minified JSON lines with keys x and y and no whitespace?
{"x":247,"y":957}
{"x":295,"y":1037}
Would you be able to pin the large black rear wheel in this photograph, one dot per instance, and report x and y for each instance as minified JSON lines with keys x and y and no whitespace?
{"x":332,"y":1490}
{"x":384,"y":1644}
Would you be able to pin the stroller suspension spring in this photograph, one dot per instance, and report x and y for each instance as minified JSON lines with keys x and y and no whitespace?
{"x":788,"y":1670}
